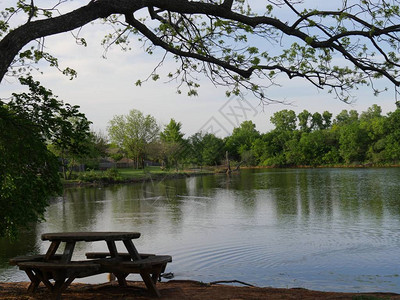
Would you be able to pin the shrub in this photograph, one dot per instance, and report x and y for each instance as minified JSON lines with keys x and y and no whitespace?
{"x":108,"y":176}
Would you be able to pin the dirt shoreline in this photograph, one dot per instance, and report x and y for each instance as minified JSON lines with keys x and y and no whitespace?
{"x":179,"y":290}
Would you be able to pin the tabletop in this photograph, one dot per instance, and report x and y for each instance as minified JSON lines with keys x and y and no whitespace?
{"x":89,"y":236}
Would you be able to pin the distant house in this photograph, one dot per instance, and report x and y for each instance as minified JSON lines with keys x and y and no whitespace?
{"x":113,"y":153}
{"x":125,"y":163}
{"x":106,"y":163}
{"x":150,"y":163}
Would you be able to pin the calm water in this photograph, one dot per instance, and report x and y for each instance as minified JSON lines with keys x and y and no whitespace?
{"x":324,"y":229}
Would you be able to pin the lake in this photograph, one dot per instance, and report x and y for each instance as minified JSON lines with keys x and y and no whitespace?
{"x":323,"y":229}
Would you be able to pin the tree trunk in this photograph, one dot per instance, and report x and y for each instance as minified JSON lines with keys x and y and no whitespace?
{"x":70,"y":169}
{"x":228,"y":171}
{"x":64,"y":171}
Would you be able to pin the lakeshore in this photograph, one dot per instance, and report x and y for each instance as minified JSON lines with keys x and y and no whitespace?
{"x":176,"y":289}
{"x":128,"y":176}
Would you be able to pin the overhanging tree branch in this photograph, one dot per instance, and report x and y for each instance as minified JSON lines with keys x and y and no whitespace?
{"x":232,"y":38}
{"x":158,"y":42}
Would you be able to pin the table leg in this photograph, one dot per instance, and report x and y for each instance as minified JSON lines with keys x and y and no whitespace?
{"x":121,"y":279}
{"x":112,"y":248}
{"x":43,"y":276}
{"x":145,"y":274}
{"x":52,"y":250}
{"x":151,"y":286}
{"x":114,"y":253}
{"x":68,"y":251}
{"x":35,"y":281}
{"x":132,"y":250}
{"x":61,"y":285}
{"x":66,"y":284}
{"x":155,"y":276}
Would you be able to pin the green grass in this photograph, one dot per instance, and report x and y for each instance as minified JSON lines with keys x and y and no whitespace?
{"x":129,"y":173}
{"x":124,"y":175}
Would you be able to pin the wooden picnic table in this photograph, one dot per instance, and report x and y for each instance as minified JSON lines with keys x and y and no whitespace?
{"x":61,"y":269}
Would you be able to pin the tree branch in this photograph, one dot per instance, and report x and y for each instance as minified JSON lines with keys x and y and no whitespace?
{"x":158,"y":42}
{"x":197,"y":41}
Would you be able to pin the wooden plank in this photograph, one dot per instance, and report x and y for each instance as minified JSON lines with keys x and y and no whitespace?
{"x":68,"y":251}
{"x":151,"y":286}
{"x":92,"y":255}
{"x":132,"y":250}
{"x":35,"y":281}
{"x":15,"y":260}
{"x":89,"y":236}
{"x":122,"y":279}
{"x":52,"y":250}
{"x":142,"y":263}
{"x":76,"y":265}
{"x":112,"y":248}
{"x":39,"y":257}
{"x":153,"y":265}
{"x":148,"y":262}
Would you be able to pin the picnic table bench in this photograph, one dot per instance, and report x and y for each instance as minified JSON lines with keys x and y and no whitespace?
{"x":149,"y":263}
{"x":57,"y":271}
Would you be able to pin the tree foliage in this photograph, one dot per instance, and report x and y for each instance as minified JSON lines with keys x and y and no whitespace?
{"x":97,"y":149}
{"x":28,"y":170}
{"x":284,"y":120}
{"x":348,"y":45}
{"x":62,"y":126}
{"x":205,"y":149}
{"x":133,"y":133}
{"x":173,"y":144}
{"x":241,"y":140}
{"x":313,"y":140}
{"x":368,"y":138}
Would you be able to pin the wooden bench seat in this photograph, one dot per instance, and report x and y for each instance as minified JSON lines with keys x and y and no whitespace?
{"x":28,"y":258}
{"x":56,"y":271}
{"x":62,"y":273}
{"x":94,"y":255}
{"x":132,"y":266}
{"x":149,"y":269}
{"x":49,"y":266}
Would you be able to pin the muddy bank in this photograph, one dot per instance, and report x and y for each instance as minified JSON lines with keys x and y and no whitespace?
{"x":179,"y":290}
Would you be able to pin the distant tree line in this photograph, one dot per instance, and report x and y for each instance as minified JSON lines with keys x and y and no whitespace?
{"x":317,"y":139}
{"x":305,"y":139}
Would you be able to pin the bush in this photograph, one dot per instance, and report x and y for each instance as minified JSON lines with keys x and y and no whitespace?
{"x":109,"y":176}
{"x":113,"y":173}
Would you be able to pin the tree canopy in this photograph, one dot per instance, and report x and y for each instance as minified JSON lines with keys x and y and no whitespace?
{"x":173,"y":143}
{"x":242,"y":45}
{"x":29,"y":122}
{"x":133,"y":133}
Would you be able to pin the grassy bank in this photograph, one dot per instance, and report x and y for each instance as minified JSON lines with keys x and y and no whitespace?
{"x":128,"y":175}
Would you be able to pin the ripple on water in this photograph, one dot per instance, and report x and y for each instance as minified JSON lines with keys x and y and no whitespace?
{"x":326,"y":229}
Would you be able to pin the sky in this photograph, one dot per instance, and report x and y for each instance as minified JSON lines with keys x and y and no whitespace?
{"x":106,"y":87}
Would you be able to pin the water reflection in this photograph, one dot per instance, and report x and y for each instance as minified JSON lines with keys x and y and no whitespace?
{"x":326,"y":229}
